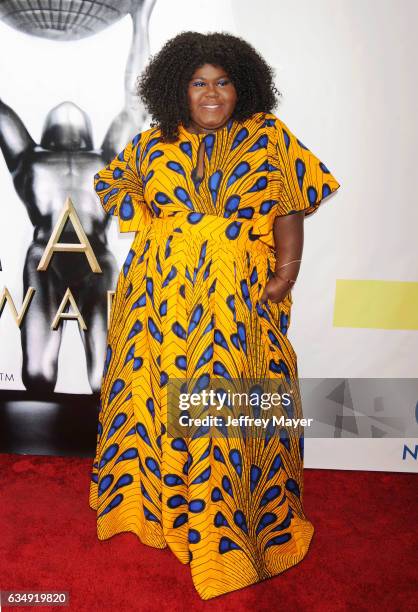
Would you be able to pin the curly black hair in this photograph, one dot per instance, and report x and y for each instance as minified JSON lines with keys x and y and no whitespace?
{"x":163,"y":84}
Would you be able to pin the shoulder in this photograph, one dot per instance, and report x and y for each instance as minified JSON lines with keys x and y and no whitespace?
{"x":137,"y":148}
{"x":271,"y":124}
{"x":254,"y":123}
{"x":281,"y":137}
{"x":141,"y":139}
{"x":274,"y":124}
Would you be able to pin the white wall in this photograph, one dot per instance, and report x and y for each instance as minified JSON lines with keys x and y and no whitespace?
{"x":347,"y":72}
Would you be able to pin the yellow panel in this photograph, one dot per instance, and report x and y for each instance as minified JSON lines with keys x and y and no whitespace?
{"x":376,"y":304}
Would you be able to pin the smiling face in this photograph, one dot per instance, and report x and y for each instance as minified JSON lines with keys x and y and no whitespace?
{"x":212,"y":98}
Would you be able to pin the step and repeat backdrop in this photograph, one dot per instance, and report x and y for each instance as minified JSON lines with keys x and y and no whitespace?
{"x":68,"y":104}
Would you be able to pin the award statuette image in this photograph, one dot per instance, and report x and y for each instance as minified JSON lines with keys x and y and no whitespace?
{"x":68,"y":264}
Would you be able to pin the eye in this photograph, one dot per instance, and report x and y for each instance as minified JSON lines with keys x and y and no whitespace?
{"x":197,"y":83}
{"x":224,"y":82}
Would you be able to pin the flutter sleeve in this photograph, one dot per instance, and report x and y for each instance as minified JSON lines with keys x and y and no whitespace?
{"x":119,"y":187}
{"x":305,"y":179}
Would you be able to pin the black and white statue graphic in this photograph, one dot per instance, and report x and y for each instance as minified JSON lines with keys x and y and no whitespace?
{"x":59,"y":167}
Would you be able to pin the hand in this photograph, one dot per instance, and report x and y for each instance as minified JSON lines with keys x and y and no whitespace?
{"x":275,"y":290}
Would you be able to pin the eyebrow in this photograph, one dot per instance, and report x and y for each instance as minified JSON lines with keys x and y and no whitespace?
{"x":202,"y":78}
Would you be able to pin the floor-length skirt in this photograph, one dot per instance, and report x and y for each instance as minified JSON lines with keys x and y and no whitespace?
{"x":187,"y":306}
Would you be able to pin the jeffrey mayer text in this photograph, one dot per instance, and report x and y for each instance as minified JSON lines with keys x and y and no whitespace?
{"x":243,"y":421}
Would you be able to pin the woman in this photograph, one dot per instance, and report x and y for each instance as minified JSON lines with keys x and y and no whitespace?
{"x":216,"y":191}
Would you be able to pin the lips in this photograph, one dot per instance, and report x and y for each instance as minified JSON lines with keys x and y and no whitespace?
{"x":211,"y":106}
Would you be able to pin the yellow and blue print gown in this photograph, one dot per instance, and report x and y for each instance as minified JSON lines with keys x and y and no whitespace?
{"x":187,"y":304}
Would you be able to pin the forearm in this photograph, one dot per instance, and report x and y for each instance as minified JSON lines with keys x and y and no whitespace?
{"x":288,"y":239}
{"x":139,"y":52}
{"x":133,"y":115}
{"x":14,"y":137}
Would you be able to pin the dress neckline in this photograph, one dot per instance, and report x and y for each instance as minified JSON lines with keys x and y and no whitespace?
{"x":229,"y":128}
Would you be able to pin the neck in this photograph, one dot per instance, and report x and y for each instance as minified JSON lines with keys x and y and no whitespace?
{"x":194,"y":128}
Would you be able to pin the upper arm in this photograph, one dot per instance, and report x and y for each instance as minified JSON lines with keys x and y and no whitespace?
{"x":120,"y":190}
{"x":306,"y":180}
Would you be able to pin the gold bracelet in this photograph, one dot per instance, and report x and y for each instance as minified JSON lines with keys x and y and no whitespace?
{"x":289,"y":262}
{"x":288,"y":280}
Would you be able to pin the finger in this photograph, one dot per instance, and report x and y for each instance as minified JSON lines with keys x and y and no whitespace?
{"x":264,"y":296}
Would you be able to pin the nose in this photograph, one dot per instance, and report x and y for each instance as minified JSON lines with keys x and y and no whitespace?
{"x":212,"y":90}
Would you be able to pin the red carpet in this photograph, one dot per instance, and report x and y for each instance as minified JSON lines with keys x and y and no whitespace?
{"x":363,"y":554}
